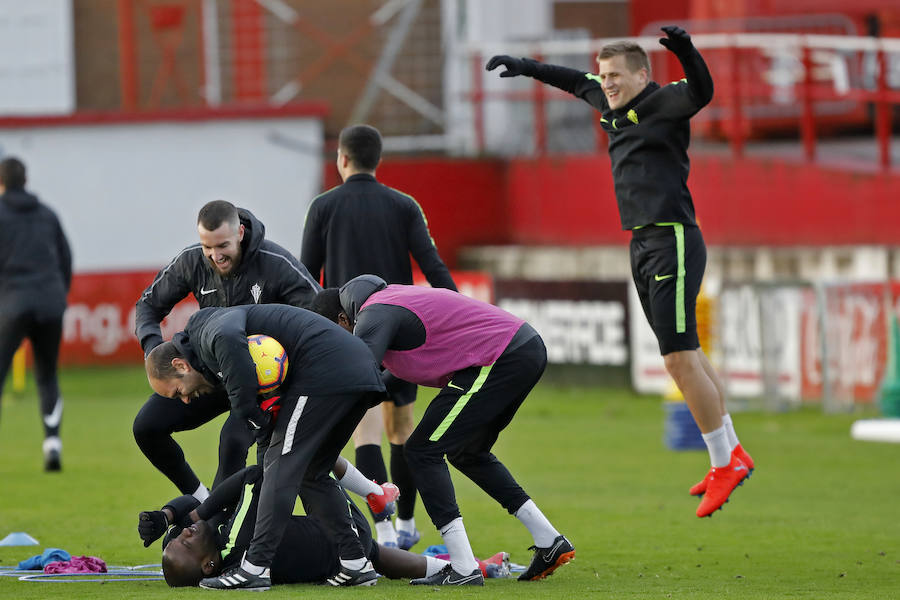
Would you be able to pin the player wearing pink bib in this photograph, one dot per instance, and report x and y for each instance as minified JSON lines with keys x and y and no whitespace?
{"x":485,"y":362}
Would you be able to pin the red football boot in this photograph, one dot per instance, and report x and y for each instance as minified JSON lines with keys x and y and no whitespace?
{"x":699,"y":488}
{"x":383,"y":505}
{"x":720,"y":482}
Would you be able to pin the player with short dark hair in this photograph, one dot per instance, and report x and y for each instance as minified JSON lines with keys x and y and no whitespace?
{"x":363,"y":227}
{"x":232,"y":265}
{"x":361,"y":145}
{"x":35,"y":275}
{"x":485,"y":362}
{"x":331,"y":381}
{"x":649,"y":133}
{"x":216,"y":213}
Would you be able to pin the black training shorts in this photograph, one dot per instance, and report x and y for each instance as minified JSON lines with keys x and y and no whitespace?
{"x":401,"y":392}
{"x":667,"y":263}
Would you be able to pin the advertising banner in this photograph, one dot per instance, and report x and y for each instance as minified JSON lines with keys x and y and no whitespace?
{"x":581,"y":322}
{"x":98,"y":327}
{"x":855,"y":322}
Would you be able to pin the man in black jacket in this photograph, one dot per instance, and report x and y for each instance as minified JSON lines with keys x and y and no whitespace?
{"x":35,"y":274}
{"x":232,"y":265}
{"x":364,"y":227}
{"x":204,"y":540}
{"x":331,"y":381}
{"x":649,"y":132}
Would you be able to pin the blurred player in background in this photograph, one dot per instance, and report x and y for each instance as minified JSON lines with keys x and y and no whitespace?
{"x":35,"y":274}
{"x":649,"y":133}
{"x":331,"y":382}
{"x":364,"y":227}
{"x":233,"y":264}
{"x":485,"y":362}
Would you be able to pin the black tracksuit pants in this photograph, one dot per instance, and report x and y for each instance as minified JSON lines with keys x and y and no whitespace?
{"x":160,"y":417}
{"x":307,"y":439}
{"x":45,"y":335}
{"x":463,"y":424}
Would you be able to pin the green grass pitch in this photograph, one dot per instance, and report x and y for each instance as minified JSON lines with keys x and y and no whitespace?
{"x":820,"y":518}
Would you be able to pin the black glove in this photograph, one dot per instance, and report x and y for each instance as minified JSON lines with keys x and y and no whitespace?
{"x":261,"y":425}
{"x":514,"y":66}
{"x":677,"y":40}
{"x":152,"y":524}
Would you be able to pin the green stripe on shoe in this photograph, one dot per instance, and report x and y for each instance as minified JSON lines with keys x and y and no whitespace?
{"x":460,"y":404}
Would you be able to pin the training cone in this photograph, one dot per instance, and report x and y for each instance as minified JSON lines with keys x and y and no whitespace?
{"x":681,"y":431}
{"x":18,"y":538}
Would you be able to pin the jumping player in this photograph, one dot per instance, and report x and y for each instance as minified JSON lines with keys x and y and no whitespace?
{"x":649,"y":132}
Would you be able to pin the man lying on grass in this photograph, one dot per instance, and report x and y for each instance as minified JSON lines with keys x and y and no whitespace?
{"x":204,"y":540}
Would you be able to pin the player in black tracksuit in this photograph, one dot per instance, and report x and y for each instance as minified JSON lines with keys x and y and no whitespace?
{"x":204,"y":540}
{"x":365,"y":227}
{"x":35,"y":274}
{"x":257,"y":271}
{"x":331,"y":381}
{"x":649,"y":132}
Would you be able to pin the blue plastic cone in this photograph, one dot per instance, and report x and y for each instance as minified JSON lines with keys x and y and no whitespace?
{"x":18,"y":538}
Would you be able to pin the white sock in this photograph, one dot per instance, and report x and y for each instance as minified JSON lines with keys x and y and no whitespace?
{"x":385,"y":532}
{"x":457,"y":542}
{"x":537,"y":524}
{"x":433,"y":565}
{"x":407,"y":525}
{"x":52,"y":443}
{"x":729,"y":428}
{"x":253,"y":569}
{"x":201,"y":494}
{"x":718,"y":446}
{"x":354,"y":481}
{"x":355,"y":564}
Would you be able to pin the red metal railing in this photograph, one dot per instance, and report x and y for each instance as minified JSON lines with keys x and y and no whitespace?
{"x":747,"y":105}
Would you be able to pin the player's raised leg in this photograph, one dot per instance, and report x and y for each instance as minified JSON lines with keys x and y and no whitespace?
{"x":699,"y":488}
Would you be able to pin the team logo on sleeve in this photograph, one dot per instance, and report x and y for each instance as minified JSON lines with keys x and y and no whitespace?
{"x":256,"y":292}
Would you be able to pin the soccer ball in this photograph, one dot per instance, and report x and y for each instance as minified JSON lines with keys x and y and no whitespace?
{"x":271,"y":362}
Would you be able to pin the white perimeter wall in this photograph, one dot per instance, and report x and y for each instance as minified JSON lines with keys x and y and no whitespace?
{"x":128,"y":194}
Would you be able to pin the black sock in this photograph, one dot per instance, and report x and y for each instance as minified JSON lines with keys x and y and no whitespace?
{"x":402,"y":477}
{"x":370,"y":463}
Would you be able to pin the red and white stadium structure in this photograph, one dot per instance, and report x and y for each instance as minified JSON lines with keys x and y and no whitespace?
{"x":132,"y":114}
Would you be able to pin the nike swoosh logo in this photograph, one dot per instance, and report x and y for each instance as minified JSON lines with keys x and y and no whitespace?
{"x":53,"y":419}
{"x":554,"y":548}
{"x":742,"y":467}
{"x":661,"y":277}
{"x":205,"y":292}
{"x":455,"y":387}
{"x":462,"y":580}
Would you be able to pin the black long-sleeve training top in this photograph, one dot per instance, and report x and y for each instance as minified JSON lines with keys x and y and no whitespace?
{"x":306,"y":554}
{"x":267,"y":274}
{"x":35,"y":258}
{"x":648,"y":138}
{"x":364,"y":226}
{"x":323,"y":359}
